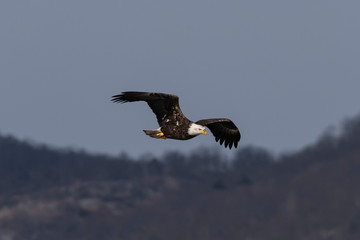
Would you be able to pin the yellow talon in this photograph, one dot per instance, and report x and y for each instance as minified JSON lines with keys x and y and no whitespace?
{"x":161,"y":135}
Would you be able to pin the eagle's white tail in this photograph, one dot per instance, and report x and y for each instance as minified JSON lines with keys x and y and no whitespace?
{"x":155,"y":133}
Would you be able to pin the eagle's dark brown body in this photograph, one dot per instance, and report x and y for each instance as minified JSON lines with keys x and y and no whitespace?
{"x":176,"y":129}
{"x":173,"y":124}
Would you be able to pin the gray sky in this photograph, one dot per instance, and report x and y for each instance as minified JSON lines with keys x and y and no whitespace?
{"x":282,"y":70}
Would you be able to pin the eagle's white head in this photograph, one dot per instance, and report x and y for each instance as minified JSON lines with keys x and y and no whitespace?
{"x":196,"y":129}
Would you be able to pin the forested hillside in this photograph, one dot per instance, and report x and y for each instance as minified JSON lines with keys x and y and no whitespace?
{"x":54,"y":194}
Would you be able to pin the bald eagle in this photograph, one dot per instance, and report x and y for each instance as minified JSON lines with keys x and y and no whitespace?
{"x":174,"y":125}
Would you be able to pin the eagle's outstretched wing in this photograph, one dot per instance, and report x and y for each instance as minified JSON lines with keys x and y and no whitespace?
{"x":161,"y":104}
{"x":223,"y":129}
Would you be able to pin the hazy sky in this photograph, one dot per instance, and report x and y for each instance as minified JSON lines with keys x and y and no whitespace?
{"x":282,"y":70}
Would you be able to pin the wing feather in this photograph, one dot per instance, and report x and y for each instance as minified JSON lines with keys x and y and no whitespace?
{"x":224,"y":130}
{"x":161,"y":104}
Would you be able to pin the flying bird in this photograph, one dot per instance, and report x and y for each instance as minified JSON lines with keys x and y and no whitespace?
{"x":174,"y":125}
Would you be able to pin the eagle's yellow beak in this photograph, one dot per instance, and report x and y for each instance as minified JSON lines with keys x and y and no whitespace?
{"x":203,"y":132}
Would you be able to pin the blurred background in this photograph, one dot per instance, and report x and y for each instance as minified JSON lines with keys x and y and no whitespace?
{"x":74,"y":165}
